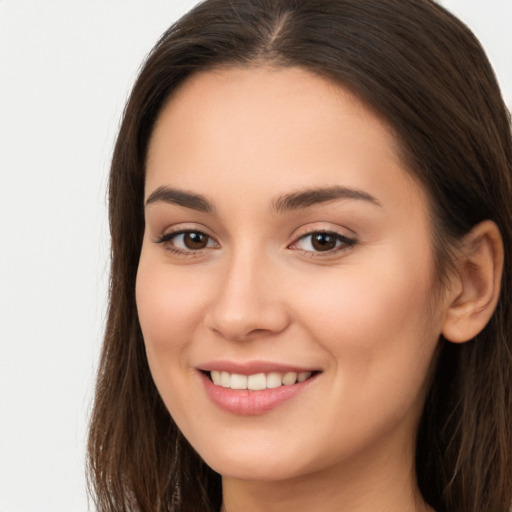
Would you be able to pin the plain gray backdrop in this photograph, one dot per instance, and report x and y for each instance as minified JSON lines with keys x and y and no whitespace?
{"x":66,"y":68}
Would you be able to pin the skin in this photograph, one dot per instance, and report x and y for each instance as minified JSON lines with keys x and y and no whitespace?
{"x":368,"y":316}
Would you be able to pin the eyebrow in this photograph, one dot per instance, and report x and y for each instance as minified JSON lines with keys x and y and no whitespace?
{"x":284,"y":203}
{"x":181,"y":198}
{"x":311,"y":197}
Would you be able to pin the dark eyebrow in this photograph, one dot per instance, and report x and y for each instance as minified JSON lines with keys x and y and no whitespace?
{"x":311,"y":197}
{"x":180,"y":198}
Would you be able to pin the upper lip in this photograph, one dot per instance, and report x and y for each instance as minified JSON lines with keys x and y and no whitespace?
{"x":252,"y":367}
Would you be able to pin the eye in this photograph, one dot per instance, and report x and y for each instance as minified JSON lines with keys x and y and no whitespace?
{"x":323,"y":241}
{"x":187,"y":241}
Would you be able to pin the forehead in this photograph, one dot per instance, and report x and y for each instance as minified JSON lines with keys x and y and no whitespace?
{"x":270,"y":128}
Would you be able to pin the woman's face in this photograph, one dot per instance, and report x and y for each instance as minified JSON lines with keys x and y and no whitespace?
{"x":285,"y":243}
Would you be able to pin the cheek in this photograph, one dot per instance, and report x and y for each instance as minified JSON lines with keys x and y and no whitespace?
{"x":377,"y":327}
{"x":366,"y":302}
{"x":170,"y":308}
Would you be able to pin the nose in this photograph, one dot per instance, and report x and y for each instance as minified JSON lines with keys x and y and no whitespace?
{"x":248,"y":302}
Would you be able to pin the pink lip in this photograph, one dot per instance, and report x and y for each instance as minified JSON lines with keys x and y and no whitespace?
{"x":251,"y":403}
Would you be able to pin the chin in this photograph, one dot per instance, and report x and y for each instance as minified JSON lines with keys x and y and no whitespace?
{"x":261,"y":461}
{"x":255,"y":469}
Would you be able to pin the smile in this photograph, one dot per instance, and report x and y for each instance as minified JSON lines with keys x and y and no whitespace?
{"x":254,"y":389}
{"x":257,"y":381}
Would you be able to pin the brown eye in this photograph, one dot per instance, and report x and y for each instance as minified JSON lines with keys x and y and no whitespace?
{"x":187,"y":241}
{"x":195,"y":240}
{"x":323,"y":241}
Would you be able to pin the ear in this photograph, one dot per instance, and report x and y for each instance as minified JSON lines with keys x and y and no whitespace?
{"x":477,"y":283}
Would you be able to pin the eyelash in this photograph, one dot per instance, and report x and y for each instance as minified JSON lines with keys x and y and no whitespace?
{"x":342,"y":243}
{"x":167,"y":239}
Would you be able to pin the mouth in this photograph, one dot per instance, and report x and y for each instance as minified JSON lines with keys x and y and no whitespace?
{"x":254,"y":389}
{"x":257,"y":381}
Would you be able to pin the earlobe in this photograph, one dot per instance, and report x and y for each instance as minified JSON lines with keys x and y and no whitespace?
{"x":478,"y":277}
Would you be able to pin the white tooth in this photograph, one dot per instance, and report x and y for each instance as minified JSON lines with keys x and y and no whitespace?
{"x":215,"y":375}
{"x":257,"y":382}
{"x":289,"y":378}
{"x":225,"y":379}
{"x":274,"y":380}
{"x":303,"y":376}
{"x":238,"y":381}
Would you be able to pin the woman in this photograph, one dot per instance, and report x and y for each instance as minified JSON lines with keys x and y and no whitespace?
{"x":310,"y":209}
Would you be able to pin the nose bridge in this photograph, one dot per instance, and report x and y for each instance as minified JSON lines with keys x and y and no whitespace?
{"x":247,"y":301}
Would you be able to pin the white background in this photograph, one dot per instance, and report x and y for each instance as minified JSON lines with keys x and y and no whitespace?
{"x":66,"y":68}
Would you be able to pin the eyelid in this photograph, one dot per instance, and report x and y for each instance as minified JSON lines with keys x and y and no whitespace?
{"x":323,"y":227}
{"x":183,"y":227}
{"x":173,"y":234}
{"x":343,"y":241}
{"x":347,"y":240}
{"x":168,"y":235}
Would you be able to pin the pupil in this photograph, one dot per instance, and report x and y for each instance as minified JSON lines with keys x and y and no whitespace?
{"x":195,"y":240}
{"x":323,"y":242}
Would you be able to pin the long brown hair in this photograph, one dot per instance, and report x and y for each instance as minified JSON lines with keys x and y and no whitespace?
{"x":424,"y":72}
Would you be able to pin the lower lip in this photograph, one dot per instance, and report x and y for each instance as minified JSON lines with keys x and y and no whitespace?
{"x":251,"y":403}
